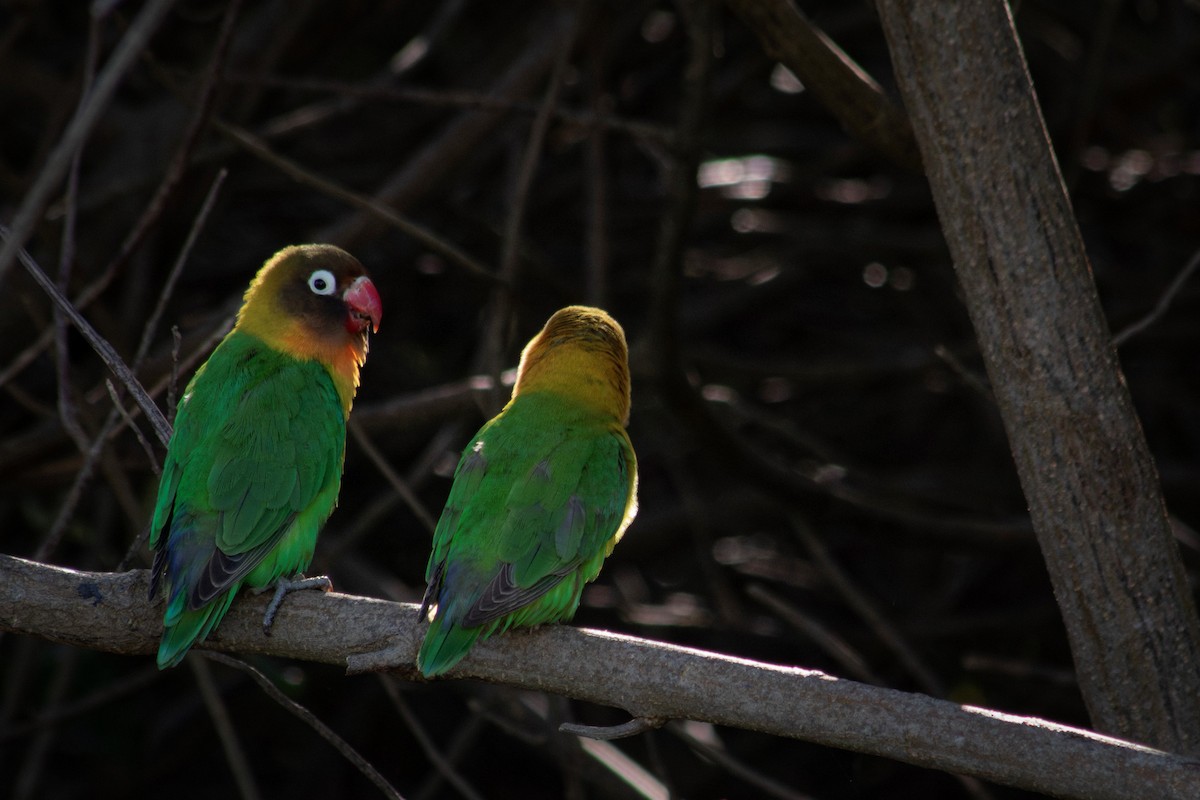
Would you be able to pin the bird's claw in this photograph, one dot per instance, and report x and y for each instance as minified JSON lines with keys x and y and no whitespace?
{"x":286,"y":585}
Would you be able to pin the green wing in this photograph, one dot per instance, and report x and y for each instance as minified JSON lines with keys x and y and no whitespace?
{"x":251,"y":474}
{"x":538,"y":500}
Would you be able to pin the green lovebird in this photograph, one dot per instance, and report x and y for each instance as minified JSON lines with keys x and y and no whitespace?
{"x":253,"y":468}
{"x":540,"y":496}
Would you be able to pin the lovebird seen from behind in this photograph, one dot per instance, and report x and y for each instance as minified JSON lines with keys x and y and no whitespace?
{"x":254,"y":465}
{"x":541,"y":494}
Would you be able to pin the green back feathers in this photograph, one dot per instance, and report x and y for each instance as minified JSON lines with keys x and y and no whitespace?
{"x":540,"y":496}
{"x":252,"y":472}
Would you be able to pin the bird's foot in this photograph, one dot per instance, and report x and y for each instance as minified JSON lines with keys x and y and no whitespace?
{"x":285,"y":585}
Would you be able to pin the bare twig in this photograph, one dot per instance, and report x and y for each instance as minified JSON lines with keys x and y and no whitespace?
{"x":106,"y":352}
{"x":499,"y":314}
{"x":127,"y":50}
{"x":633,"y":727}
{"x":181,"y":159}
{"x":439,"y":762}
{"x":96,"y":447}
{"x":1160,"y":308}
{"x":867,"y":610}
{"x":168,"y":288}
{"x":398,"y":483}
{"x":842,"y":86}
{"x":462,"y":138}
{"x":833,"y":645}
{"x":67,"y":411}
{"x":596,"y":118}
{"x":717,"y":755}
{"x":235,"y":753}
{"x":310,"y":719}
{"x":257,"y":147}
{"x":119,"y":410}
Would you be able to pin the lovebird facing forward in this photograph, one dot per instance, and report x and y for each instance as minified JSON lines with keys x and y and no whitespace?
{"x":540,"y":496}
{"x":253,"y":468}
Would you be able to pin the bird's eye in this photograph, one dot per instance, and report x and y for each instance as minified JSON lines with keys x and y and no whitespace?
{"x":322,"y":282}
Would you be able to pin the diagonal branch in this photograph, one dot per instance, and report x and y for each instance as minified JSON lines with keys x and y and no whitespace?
{"x":80,"y":127}
{"x":841,"y":85}
{"x":108,"y":611}
{"x":103,"y":349}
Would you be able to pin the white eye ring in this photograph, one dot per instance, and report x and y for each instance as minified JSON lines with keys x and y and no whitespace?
{"x":322,"y":282}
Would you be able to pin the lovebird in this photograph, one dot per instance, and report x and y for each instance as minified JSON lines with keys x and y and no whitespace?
{"x":254,"y":465}
{"x":540,"y":496}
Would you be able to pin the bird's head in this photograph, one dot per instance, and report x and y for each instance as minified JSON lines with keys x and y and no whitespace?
{"x":313,"y":300}
{"x":581,"y":352}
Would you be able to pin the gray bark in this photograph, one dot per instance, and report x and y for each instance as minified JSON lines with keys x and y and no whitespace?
{"x":108,"y":611}
{"x":1084,"y":465}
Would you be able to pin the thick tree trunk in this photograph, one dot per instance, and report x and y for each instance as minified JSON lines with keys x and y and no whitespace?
{"x":1086,"y":471}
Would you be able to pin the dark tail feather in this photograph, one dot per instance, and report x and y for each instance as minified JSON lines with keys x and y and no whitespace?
{"x":444,"y":646}
{"x":190,"y":627}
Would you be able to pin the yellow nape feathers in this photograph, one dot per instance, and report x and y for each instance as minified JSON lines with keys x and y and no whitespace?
{"x":581,"y":353}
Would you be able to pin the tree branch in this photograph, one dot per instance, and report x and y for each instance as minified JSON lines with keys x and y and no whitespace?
{"x":841,"y":85}
{"x":93,"y":105}
{"x":108,"y":611}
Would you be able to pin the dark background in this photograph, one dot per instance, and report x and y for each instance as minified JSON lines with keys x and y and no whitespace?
{"x":819,"y":317}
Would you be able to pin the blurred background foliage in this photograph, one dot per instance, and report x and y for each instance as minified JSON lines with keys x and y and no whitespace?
{"x":818,"y":317}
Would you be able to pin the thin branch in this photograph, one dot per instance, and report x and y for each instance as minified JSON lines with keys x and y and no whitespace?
{"x":470,"y":101}
{"x":499,"y":314}
{"x":719,"y":756}
{"x":235,"y":753}
{"x":834,"y":646}
{"x":461,"y":139}
{"x":108,"y":611}
{"x":94,"y":104}
{"x":1160,"y":308}
{"x":105,"y":350}
{"x":258,"y":148}
{"x":841,"y":85}
{"x":439,"y":762}
{"x":867,"y":610}
{"x":310,"y":719}
{"x":151,"y":326}
{"x":633,"y":727}
{"x":118,"y":412}
{"x":154,"y":209}
{"x":68,"y":412}
{"x":398,"y":483}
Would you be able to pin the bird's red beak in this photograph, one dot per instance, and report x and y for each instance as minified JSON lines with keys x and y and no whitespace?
{"x":363,"y":305}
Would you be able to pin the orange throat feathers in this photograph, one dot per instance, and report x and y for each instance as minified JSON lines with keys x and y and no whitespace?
{"x":340,"y":352}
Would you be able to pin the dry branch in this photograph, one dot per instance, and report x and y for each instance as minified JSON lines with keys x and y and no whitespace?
{"x":842,"y":86}
{"x":108,"y":611}
{"x":80,"y":127}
